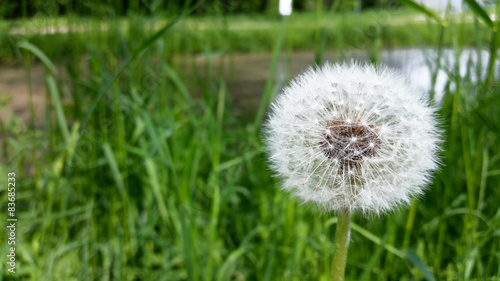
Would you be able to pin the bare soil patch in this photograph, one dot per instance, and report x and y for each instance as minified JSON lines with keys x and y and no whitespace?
{"x":14,"y":84}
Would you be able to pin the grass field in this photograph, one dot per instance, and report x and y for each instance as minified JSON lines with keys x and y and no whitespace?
{"x":369,"y":30}
{"x":128,"y":180}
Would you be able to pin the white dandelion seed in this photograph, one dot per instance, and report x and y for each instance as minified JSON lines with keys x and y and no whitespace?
{"x":353,"y":138}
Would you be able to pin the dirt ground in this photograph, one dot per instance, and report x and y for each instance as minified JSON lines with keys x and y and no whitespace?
{"x":14,"y":86}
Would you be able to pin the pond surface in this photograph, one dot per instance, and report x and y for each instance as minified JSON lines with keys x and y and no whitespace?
{"x":418,"y":65}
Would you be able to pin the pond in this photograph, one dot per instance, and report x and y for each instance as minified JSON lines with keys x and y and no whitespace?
{"x":418,"y":64}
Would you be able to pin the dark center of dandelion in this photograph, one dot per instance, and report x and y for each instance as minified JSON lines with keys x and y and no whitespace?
{"x":349,"y":142}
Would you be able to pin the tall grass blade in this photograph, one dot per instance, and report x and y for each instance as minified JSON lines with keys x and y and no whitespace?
{"x":134,"y":55}
{"x":228,"y":267}
{"x":268,"y":91}
{"x":422,"y":9}
{"x":492,"y":125}
{"x":376,"y":240}
{"x":56,"y":99}
{"x":480,"y":12}
{"x":115,"y":171}
{"x":374,"y":259}
{"x":156,"y":188}
{"x":165,"y":154}
{"x":39,"y":54}
{"x":413,"y":258}
{"x":494,"y":44}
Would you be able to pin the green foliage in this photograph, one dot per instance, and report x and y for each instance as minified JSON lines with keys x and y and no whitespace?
{"x":139,"y":172}
{"x":71,"y":37}
{"x":12,"y":9}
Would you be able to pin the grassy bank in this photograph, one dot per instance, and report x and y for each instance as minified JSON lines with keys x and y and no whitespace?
{"x":131,"y":177}
{"x":71,"y":36}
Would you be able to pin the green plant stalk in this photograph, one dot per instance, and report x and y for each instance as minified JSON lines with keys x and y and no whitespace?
{"x":495,"y":41}
{"x":268,"y":90}
{"x":342,"y":235}
{"x":409,"y":224}
{"x":214,"y":180}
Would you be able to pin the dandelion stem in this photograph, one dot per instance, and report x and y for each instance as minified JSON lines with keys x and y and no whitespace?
{"x":341,"y":244}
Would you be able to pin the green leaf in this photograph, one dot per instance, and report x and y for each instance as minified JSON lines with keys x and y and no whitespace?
{"x":413,"y":258}
{"x":56,"y":100}
{"x":421,"y":9}
{"x":154,"y":181}
{"x":39,"y":54}
{"x":115,"y":171}
{"x":228,"y":267}
{"x":480,"y":12}
{"x":126,"y":63}
{"x":268,"y":90}
{"x":376,"y":240}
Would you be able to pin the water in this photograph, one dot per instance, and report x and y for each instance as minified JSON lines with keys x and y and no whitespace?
{"x":418,"y":64}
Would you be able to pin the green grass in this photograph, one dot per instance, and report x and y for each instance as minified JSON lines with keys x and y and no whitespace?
{"x":232,"y":33}
{"x":163,"y":183}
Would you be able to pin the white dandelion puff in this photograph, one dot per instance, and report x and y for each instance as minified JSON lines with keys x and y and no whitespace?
{"x":353,"y":138}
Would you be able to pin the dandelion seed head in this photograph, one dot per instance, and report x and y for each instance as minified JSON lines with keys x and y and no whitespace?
{"x":353,"y":137}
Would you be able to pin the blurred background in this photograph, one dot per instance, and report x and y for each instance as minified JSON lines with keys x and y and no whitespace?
{"x":134,"y":131}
